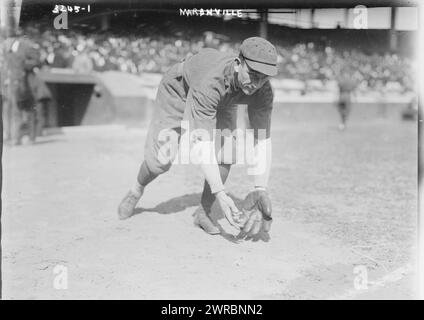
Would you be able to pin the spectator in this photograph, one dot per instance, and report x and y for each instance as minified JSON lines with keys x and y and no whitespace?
{"x":82,"y":62}
{"x":149,"y":51}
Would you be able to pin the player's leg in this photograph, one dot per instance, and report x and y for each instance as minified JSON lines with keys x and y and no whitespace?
{"x":158,"y":157}
{"x":32,"y":119}
{"x":6,"y":114}
{"x":347,"y":110}
{"x":162,"y":140}
{"x":226,"y":122}
{"x":16,"y":121}
{"x":40,"y":118}
{"x":342,"y":112}
{"x":36,"y":120}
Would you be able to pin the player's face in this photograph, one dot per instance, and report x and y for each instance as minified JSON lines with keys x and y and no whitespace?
{"x":250,"y":80}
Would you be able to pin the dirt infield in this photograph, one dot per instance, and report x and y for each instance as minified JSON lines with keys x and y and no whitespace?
{"x":345,"y":208}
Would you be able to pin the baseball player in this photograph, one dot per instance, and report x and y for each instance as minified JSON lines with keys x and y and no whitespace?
{"x":205,"y":90}
{"x":346,"y":87}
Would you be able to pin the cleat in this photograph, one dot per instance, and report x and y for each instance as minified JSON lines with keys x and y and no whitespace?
{"x":202,"y":220}
{"x":127,"y":205}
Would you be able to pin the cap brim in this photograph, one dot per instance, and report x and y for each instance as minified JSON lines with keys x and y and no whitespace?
{"x":267,"y":69}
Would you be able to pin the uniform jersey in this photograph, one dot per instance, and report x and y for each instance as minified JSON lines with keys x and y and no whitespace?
{"x":211,"y":88}
{"x":203,"y":90}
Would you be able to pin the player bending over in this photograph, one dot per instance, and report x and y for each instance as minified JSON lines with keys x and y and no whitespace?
{"x":204,"y":91}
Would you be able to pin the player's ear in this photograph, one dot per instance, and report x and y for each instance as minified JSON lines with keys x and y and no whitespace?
{"x":237,"y":65}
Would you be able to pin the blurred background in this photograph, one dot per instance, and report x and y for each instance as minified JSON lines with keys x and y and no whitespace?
{"x":111,"y":58}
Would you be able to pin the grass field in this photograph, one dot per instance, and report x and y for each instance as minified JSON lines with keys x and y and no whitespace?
{"x":345,"y":211}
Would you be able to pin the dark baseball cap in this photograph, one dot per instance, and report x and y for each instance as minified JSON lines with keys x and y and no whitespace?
{"x":260,"y":55}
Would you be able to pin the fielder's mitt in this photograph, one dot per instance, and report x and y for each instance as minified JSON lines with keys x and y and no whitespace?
{"x":256,"y":212}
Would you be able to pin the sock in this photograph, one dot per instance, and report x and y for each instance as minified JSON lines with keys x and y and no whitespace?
{"x":138,"y":189}
{"x":145,"y":176}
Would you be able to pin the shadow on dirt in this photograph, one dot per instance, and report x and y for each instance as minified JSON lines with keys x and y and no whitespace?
{"x":27,"y":143}
{"x":173,"y":205}
{"x":54,"y":140}
{"x":181,"y":203}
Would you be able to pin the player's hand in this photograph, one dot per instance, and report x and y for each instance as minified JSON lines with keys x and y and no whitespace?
{"x":258,"y":209}
{"x":228,"y":207}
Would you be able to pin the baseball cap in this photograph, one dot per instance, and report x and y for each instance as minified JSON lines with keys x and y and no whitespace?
{"x":260,"y":55}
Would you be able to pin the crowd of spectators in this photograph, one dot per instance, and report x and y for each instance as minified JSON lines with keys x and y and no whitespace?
{"x":108,"y":51}
{"x":156,"y":53}
{"x":306,"y":61}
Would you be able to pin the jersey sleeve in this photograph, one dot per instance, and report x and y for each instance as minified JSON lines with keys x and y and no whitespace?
{"x":202,"y":103}
{"x":260,"y":111}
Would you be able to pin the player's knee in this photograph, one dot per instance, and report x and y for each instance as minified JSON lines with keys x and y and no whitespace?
{"x":157,"y":167}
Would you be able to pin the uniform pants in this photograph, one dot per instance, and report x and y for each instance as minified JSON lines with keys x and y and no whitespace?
{"x":19,"y":122}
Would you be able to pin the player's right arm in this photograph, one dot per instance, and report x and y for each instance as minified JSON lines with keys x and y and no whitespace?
{"x":202,"y":102}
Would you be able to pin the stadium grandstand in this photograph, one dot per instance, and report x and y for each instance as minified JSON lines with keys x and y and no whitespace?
{"x":314,"y":43}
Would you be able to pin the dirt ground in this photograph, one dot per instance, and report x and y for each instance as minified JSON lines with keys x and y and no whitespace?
{"x":345,"y":213}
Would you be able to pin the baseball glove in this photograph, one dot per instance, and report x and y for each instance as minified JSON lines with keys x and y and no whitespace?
{"x":256,"y":212}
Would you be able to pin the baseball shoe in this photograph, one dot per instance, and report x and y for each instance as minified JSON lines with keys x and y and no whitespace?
{"x":202,"y":220}
{"x":127,"y":205}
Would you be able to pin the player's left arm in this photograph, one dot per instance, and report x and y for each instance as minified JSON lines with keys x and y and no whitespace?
{"x":260,"y":111}
{"x":257,"y":208}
